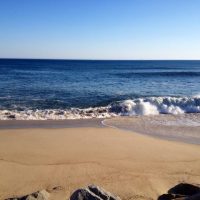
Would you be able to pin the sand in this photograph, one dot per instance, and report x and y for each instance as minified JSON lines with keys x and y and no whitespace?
{"x":128,"y":164}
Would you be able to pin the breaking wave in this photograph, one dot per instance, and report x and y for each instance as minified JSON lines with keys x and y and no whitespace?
{"x":158,"y":105}
{"x":131,"y":107}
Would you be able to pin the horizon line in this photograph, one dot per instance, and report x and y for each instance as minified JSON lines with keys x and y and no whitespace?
{"x":90,"y":59}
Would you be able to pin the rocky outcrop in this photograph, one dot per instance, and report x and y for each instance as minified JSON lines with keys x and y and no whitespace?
{"x":182,"y":191}
{"x":93,"y":192}
{"x":40,"y":195}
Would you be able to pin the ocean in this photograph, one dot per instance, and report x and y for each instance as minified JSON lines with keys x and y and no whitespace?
{"x":75,"y":89}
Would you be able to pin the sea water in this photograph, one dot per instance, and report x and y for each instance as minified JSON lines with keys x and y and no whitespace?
{"x":75,"y":89}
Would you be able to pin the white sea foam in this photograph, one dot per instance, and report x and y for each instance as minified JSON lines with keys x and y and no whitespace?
{"x":196,"y":95}
{"x":159,"y":105}
{"x":131,"y":107}
{"x":56,"y":114}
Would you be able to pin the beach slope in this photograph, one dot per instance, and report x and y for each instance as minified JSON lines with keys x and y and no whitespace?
{"x":128,"y":164}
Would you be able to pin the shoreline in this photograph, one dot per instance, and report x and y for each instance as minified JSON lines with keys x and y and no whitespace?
{"x":68,"y":123}
{"x":106,"y":123}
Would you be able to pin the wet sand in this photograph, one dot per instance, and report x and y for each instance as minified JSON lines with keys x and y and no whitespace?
{"x":130,"y":165}
{"x":184,"y":128}
{"x":69,"y":123}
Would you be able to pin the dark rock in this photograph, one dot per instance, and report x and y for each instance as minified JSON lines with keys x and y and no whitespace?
{"x":171,"y":197}
{"x":101,"y":192}
{"x":166,"y":197}
{"x":83,"y":194}
{"x":182,"y":191}
{"x":194,"y":197}
{"x":185,"y":189}
{"x":93,"y":192}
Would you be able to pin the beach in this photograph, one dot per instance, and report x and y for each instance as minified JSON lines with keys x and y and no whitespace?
{"x":128,"y":164}
{"x":100,"y":100}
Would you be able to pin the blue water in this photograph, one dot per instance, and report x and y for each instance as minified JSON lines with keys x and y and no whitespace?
{"x":64,"y":84}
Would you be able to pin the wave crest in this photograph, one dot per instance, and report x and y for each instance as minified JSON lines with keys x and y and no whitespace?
{"x":131,"y":107}
{"x":157,"y":105}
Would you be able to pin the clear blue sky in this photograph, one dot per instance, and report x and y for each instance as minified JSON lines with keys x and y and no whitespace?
{"x":100,"y":29}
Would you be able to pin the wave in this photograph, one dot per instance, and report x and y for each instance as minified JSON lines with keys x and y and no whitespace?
{"x":130,"y":107}
{"x":157,"y":105}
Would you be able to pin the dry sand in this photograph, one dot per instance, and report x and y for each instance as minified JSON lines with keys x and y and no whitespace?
{"x":127,"y":164}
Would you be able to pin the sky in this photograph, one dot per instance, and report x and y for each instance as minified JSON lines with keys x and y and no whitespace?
{"x":100,"y":29}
